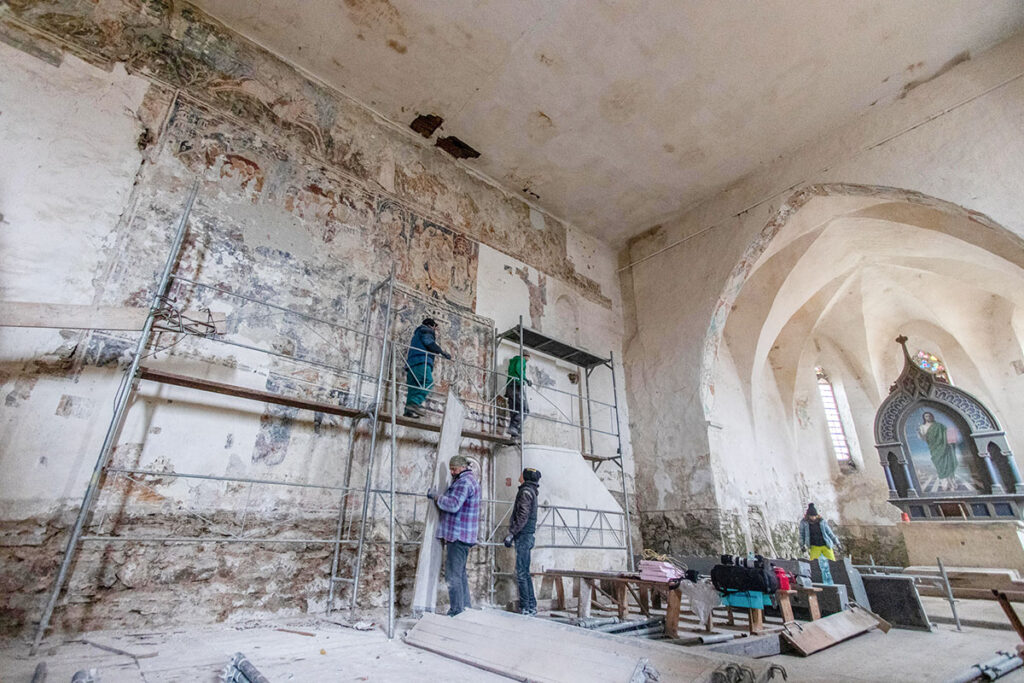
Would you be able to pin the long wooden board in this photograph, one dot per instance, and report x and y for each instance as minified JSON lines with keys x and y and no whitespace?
{"x":82,"y":316}
{"x":534,"y":649}
{"x":817,"y":635}
{"x":428,"y":567}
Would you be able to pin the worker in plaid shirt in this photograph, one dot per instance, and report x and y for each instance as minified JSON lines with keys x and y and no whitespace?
{"x":457,"y":528}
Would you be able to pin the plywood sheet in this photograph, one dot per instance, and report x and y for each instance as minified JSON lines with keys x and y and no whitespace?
{"x":817,"y":635}
{"x":533,"y":649}
{"x":428,"y":568}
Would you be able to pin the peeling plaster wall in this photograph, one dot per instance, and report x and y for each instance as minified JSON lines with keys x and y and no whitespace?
{"x":509,"y":287}
{"x":109,"y":112}
{"x":958,"y":138}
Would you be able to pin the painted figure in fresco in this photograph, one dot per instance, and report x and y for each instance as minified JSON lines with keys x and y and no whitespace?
{"x":941,"y":446}
{"x":419,"y":366}
{"x":817,"y":536}
{"x":514,"y":394}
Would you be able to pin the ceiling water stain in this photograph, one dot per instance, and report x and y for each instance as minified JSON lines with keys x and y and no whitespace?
{"x":376,"y":14}
{"x":958,"y":59}
{"x":540,"y":127}
{"x":397,"y":47}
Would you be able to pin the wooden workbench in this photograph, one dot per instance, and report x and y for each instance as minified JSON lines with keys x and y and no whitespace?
{"x":622,"y":582}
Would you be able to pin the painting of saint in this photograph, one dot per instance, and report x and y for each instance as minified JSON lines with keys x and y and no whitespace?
{"x":939,"y":452}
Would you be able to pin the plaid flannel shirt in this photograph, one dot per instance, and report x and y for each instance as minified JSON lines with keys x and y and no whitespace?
{"x":460,"y":510}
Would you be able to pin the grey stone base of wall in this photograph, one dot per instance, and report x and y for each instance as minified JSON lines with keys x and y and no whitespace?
{"x":882,"y":543}
{"x":681,"y":532}
{"x":708,"y":533}
{"x":132,"y":585}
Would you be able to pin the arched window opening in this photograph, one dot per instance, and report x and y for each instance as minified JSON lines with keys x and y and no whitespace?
{"x":927,"y":360}
{"x":836,"y":431}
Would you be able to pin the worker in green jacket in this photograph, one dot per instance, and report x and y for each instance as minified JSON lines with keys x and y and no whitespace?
{"x":514,"y":394}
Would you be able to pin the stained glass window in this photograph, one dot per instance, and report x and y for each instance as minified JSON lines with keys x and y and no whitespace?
{"x":933,"y":364}
{"x":835,"y":423}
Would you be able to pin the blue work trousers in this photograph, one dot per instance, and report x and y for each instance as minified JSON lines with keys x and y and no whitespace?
{"x":527,"y":600}
{"x":456,"y":553}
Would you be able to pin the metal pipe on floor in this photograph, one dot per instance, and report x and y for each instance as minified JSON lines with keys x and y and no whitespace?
{"x":713,"y":638}
{"x":997,"y":667}
{"x":660,"y":629}
{"x":629,"y":625}
{"x":594,"y":622}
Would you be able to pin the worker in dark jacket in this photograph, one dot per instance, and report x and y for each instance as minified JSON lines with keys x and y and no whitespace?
{"x":419,"y":366}
{"x":521,"y":529}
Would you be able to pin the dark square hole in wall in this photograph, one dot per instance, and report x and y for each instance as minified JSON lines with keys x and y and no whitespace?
{"x":980,"y":510}
{"x":426,"y":124}
{"x":457,"y":148}
{"x":917,"y":511}
{"x":1003,"y":509}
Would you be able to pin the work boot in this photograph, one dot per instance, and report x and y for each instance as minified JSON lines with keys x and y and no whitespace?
{"x":410,"y":411}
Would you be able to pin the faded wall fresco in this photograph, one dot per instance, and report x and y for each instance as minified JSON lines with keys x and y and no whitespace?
{"x":305,"y":201}
{"x":183,"y":48}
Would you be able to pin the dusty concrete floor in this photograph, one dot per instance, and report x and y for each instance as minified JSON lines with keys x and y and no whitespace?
{"x":983,"y":613}
{"x":337,"y":653}
{"x":332,"y":653}
{"x":900,"y":655}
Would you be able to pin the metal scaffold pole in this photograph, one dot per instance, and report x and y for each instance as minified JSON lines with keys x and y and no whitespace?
{"x":622,"y":463}
{"x":391,"y":493}
{"x":375,"y":413}
{"x":124,"y":396}
{"x":491,"y":482}
{"x":522,"y":398}
{"x":371,"y":293}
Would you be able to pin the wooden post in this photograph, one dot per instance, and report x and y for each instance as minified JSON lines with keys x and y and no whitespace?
{"x":645,"y":599}
{"x":812,"y":601}
{"x":785,"y":605}
{"x":1011,"y":614}
{"x":756,"y":620}
{"x":732,"y":617}
{"x":559,"y":593}
{"x":586,"y":591}
{"x":622,"y":599}
{"x":675,"y":598}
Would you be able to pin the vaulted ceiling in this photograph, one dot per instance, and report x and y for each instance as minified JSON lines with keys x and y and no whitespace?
{"x":614,"y":114}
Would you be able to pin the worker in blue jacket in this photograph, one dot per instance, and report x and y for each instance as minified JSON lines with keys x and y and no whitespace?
{"x":419,"y":366}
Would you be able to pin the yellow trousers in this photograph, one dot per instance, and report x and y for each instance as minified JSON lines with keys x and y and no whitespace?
{"x":822,"y":551}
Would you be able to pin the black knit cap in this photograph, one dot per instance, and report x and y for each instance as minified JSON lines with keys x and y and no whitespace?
{"x":811,"y":510}
{"x":429,"y":322}
{"x":530,"y":474}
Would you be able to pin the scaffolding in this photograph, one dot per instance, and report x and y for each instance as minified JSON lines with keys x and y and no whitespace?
{"x":363,"y":391}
